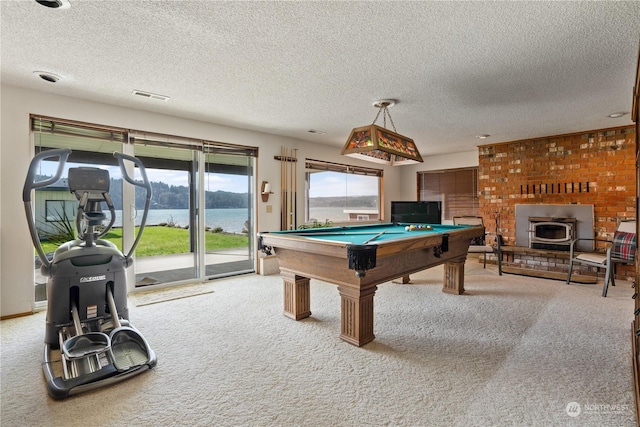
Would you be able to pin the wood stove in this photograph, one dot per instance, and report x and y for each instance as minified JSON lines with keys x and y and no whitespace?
{"x":581,"y":216}
{"x":553,"y":233}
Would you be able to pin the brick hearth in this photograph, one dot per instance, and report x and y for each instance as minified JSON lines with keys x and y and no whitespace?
{"x":594,"y":167}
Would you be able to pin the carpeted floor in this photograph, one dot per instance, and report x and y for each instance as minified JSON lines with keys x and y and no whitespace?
{"x":512,"y":351}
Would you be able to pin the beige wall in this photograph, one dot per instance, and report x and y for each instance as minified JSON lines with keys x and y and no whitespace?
{"x":16,"y":151}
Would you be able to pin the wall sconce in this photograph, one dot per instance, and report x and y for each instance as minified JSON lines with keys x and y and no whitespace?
{"x":266,"y":190}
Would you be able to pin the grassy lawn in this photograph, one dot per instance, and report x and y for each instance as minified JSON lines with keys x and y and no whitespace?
{"x":169,"y":240}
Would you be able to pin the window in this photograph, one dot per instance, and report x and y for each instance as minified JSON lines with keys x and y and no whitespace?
{"x":341,"y":193}
{"x":60,"y":210}
{"x":457,"y":189}
{"x":205,"y":188}
{"x":202,"y":199}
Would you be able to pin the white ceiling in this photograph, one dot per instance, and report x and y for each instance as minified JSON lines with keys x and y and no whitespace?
{"x":514,"y":70}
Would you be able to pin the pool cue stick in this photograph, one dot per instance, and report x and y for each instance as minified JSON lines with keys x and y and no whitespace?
{"x":284,"y":188}
{"x":295,"y":188}
{"x":373,"y":238}
{"x":282,"y":193}
{"x":281,"y":190}
{"x":293,"y":196}
{"x":289,"y":188}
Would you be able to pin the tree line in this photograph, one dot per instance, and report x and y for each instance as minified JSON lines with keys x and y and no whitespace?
{"x":165,"y":196}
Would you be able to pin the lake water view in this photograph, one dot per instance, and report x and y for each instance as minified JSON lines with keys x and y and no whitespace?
{"x":230,"y":220}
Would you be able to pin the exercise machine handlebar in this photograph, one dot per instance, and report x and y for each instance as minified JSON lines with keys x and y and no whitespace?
{"x":31,"y":184}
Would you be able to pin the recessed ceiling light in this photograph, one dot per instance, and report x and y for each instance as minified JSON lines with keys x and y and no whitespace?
{"x":47,"y":76}
{"x":150,"y":95}
{"x":55,"y":4}
{"x":616,"y":115}
{"x":482,"y":136}
{"x":319,"y":132}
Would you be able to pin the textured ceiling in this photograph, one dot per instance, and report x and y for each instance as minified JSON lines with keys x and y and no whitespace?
{"x":514,"y":70}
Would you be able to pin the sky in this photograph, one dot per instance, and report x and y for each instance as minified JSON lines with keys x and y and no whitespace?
{"x":334,"y":184}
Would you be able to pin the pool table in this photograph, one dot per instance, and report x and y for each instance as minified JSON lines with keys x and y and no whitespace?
{"x":360,"y":257}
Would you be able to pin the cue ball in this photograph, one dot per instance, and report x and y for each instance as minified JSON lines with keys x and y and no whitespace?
{"x":407,"y":228}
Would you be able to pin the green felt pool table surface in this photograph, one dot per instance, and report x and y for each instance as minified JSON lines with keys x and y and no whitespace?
{"x":359,"y":234}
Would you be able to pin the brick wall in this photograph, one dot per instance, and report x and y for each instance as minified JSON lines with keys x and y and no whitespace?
{"x":593,"y":167}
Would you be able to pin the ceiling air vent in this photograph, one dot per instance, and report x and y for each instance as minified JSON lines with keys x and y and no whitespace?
{"x":150,"y":95}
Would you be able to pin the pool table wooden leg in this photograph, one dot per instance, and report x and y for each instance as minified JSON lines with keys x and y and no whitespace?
{"x":297,"y":295}
{"x":356,"y":314}
{"x":454,"y":277}
{"x":402,"y":280}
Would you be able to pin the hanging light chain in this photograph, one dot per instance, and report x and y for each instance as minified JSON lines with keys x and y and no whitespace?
{"x":377,"y":115}
{"x":385,"y":112}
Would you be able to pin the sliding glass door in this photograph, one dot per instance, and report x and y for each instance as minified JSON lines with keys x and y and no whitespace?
{"x":202,"y":210}
{"x":201,"y":221}
{"x":169,"y":253}
{"x":228,"y":195}
{"x":54,"y":206}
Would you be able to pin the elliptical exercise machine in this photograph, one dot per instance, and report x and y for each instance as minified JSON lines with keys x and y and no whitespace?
{"x":89,"y":342}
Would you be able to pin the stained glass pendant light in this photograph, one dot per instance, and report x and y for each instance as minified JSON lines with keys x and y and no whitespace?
{"x":378,"y":144}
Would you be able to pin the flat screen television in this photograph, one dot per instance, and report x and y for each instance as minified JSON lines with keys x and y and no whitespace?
{"x":416,"y":212}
